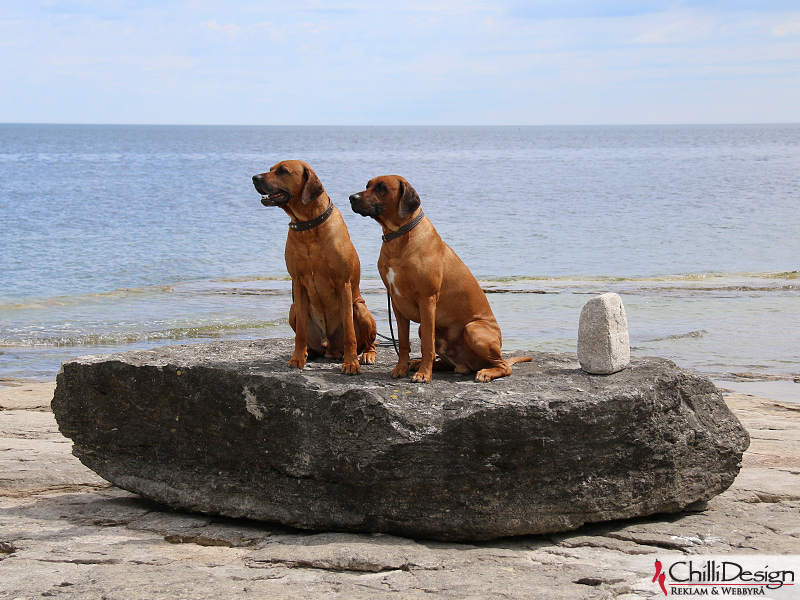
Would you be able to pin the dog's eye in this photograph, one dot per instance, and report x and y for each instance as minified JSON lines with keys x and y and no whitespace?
{"x":380,"y":188}
{"x":282,"y":171}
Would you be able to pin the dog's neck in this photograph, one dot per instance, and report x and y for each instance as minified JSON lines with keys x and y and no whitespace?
{"x":299,"y":212}
{"x":315,"y":222}
{"x":390,"y":233}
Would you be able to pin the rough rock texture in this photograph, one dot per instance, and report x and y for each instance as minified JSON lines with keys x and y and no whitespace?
{"x":227,"y":428}
{"x":85,"y":541}
{"x":603,"y":344}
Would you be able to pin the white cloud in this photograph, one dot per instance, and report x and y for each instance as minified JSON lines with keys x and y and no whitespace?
{"x":230,"y":28}
{"x":279,"y":31}
{"x":678,"y":30}
{"x":787,"y":29}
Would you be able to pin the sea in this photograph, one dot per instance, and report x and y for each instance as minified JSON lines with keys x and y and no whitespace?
{"x":116,"y":237}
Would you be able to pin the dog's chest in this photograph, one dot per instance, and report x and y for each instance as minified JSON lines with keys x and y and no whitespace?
{"x":391,"y":276}
{"x":402,"y":296}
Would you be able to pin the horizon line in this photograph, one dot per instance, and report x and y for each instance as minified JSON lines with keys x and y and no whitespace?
{"x":376,"y":125}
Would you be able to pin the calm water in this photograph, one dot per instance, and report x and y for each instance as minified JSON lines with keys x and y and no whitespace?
{"x":117,"y":237}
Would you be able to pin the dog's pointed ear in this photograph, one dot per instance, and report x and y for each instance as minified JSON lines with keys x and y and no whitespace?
{"x":409,"y":200}
{"x":313,"y":187}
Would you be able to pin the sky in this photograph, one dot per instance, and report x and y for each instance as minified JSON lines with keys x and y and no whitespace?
{"x":428,"y":62}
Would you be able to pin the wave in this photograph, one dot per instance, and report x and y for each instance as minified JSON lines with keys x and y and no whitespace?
{"x":735,"y":288}
{"x":691,"y":334}
{"x":88,"y":298}
{"x":267,"y":285}
{"x":246,"y":278}
{"x":693,"y":284}
{"x":518,"y":291}
{"x":108,"y":338}
{"x":659,"y":278}
{"x":191,"y":288}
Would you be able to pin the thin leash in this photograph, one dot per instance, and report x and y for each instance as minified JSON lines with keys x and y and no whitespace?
{"x":391,"y":328}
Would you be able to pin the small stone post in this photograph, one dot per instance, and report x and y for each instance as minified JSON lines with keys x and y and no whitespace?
{"x":603,"y":344}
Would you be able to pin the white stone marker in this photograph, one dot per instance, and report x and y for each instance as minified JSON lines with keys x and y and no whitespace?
{"x":603,"y":344}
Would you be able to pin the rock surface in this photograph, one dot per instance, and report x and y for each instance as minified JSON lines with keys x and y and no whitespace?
{"x":98,"y":542}
{"x":226,"y":428}
{"x":603,"y":343}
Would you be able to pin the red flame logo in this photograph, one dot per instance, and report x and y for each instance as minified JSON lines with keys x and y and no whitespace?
{"x":660,"y":577}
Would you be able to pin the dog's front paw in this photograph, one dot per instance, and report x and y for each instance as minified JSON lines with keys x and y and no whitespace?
{"x":351,"y":368}
{"x":400,"y":371}
{"x":368,"y":357}
{"x":297,"y":362}
{"x":414,"y":364}
{"x":421,"y":377}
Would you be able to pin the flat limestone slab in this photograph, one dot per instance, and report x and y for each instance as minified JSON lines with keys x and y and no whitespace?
{"x":226,"y":428}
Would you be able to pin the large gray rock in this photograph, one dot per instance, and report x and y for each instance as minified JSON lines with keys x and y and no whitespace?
{"x":227,"y":428}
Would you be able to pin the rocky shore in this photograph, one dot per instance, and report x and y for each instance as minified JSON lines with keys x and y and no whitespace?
{"x":67,"y":533}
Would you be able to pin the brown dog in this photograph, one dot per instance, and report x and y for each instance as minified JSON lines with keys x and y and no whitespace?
{"x":430,"y":285}
{"x":328,"y":314}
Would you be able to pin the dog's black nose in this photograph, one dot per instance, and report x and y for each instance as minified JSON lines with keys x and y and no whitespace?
{"x":355,"y":197}
{"x":257,"y":178}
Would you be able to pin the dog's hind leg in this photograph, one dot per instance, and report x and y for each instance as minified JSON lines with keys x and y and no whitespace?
{"x":484,"y":342}
{"x":366,"y":331}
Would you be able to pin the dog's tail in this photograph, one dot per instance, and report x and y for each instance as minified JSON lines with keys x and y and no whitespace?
{"x":514,"y":360}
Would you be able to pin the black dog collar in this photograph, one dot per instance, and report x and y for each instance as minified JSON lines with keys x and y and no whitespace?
{"x":306,"y":225}
{"x":404,"y":229}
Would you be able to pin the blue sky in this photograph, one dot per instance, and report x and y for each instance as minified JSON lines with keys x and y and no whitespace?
{"x":449,"y":62}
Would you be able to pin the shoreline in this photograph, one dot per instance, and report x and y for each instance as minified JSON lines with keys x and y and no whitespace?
{"x":715,"y":326}
{"x":66,"y":532}
{"x":783,"y":389}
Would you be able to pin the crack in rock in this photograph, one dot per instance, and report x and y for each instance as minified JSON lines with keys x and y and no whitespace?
{"x":342,"y":552}
{"x":200,"y":540}
{"x":351,"y":565}
{"x":81,"y":561}
{"x":670,"y":543}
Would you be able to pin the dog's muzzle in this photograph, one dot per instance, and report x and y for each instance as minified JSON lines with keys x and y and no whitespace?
{"x":270,"y":195}
{"x":362,"y":208}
